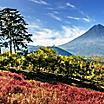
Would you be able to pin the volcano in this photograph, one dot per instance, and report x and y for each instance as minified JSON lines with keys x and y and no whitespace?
{"x":91,"y":43}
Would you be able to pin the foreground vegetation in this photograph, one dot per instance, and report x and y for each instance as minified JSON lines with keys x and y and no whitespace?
{"x":45,"y":60}
{"x":15,"y":90}
{"x":14,"y":35}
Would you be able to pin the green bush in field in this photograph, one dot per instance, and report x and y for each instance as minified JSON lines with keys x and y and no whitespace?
{"x":41,"y":60}
{"x":13,"y":60}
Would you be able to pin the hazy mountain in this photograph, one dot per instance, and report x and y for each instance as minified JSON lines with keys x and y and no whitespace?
{"x":32,"y":48}
{"x":58,"y":50}
{"x":90,"y":43}
{"x":61,"y":51}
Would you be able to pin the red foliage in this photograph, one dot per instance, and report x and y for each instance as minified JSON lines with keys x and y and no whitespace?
{"x":13,"y":91}
{"x":10,"y":75}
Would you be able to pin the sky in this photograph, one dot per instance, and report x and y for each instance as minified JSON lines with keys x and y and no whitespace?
{"x":56,"y":22}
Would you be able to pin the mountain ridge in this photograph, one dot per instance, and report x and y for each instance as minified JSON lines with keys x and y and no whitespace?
{"x":90,"y":43}
{"x":59,"y":51}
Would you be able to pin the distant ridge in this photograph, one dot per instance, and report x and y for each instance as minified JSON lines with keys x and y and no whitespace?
{"x":90,"y":43}
{"x":32,"y":48}
{"x":58,"y":50}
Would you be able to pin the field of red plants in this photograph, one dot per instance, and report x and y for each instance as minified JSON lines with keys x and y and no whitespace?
{"x":15,"y":90}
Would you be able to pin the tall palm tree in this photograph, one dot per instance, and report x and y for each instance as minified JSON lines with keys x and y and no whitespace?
{"x":13,"y":28}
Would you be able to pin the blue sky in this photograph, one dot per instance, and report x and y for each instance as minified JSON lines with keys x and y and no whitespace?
{"x":55,"y":22}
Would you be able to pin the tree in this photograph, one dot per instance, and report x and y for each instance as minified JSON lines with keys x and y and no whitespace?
{"x":2,"y":43}
{"x":13,"y":29}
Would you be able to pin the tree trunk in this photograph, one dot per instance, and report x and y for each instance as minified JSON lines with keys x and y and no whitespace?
{"x":14,"y":47}
{"x":10,"y":46}
{"x":10,"y":43}
{"x":0,"y":50}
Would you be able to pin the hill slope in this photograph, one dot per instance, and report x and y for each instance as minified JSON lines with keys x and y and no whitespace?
{"x":58,"y":50}
{"x":90,"y":43}
{"x":13,"y":91}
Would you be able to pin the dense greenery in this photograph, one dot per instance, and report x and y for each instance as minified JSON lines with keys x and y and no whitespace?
{"x":47,"y":61}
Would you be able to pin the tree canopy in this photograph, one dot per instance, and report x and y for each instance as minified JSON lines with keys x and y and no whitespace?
{"x":13,"y":29}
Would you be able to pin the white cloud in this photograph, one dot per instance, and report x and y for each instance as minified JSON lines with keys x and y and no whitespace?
{"x":70,"y":5}
{"x":40,"y":2}
{"x":48,"y":37}
{"x":83,"y":16}
{"x":33,"y":25}
{"x":52,"y":15}
{"x":50,"y":8}
{"x":55,"y":12}
{"x":72,"y":31}
{"x":45,"y":37}
{"x":85,"y":19}
{"x":46,"y":33}
{"x":75,"y":18}
{"x":67,"y":5}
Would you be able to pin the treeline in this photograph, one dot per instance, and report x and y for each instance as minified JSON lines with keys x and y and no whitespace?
{"x":46,"y":60}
